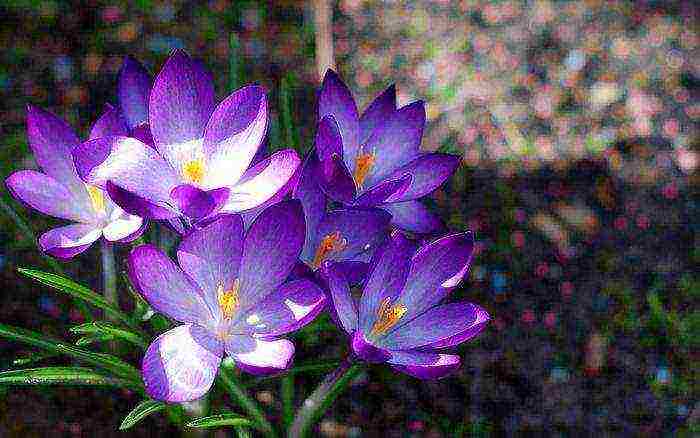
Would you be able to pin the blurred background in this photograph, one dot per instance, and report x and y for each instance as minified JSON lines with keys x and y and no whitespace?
{"x":578,"y":126}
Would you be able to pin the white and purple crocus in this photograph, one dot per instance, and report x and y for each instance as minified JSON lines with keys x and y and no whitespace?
{"x":199,"y":164}
{"x":230,"y":296}
{"x":374,"y":159}
{"x":399,"y":319}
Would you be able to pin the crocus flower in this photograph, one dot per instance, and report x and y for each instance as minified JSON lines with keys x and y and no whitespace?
{"x":375,"y":159}
{"x":347,"y":236}
{"x":398,"y":319}
{"x":229,"y":295}
{"x":59,"y":192}
{"x":199,"y":166}
{"x":133,"y":89}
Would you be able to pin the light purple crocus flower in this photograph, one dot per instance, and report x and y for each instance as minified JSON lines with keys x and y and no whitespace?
{"x":346,"y":236}
{"x":398,"y":319}
{"x":133,"y":90}
{"x":59,"y":192}
{"x":375,"y":159}
{"x":199,"y":165}
{"x":229,"y":295}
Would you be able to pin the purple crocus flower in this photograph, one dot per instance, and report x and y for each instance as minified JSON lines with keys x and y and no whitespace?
{"x":375,"y":159}
{"x":230,"y":296}
{"x":59,"y":192}
{"x":398,"y":318}
{"x":133,"y":89}
{"x":346,"y":236}
{"x":199,"y":165}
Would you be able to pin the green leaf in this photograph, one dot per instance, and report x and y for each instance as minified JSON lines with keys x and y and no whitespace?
{"x":141,"y":411}
{"x":291,"y":137}
{"x":102,"y":360}
{"x":92,"y":339}
{"x":31,"y":358}
{"x":61,"y":376}
{"x":103,"y":328}
{"x":76,"y":290}
{"x":220,"y":420}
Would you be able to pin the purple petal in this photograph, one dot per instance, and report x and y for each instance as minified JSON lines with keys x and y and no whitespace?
{"x":66,"y":242}
{"x":109,"y":124}
{"x":52,"y":140}
{"x":414,"y":217}
{"x":264,"y":181}
{"x":340,"y":186}
{"x":196,"y":203}
{"x":129,"y":164}
{"x":396,"y":142}
{"x":377,"y":113}
{"x":354,"y":272}
{"x":133,"y":90}
{"x":312,"y":199}
{"x":387,"y":275}
{"x":366,"y":351}
{"x":328,"y":145}
{"x":435,"y":270}
{"x":233,"y":135}
{"x":356,"y":232}
{"x":211,"y":255}
{"x":163,"y":284}
{"x":427,"y":173}
{"x":343,"y":307}
{"x":123,"y":227}
{"x":143,"y":133}
{"x":441,"y":326}
{"x":264,"y":357}
{"x":180,"y":104}
{"x":424,"y":365}
{"x":382,"y":192}
{"x":270,"y":250}
{"x":45,"y":194}
{"x":294,"y":305}
{"x":136,"y":205}
{"x":335,"y":99}
{"x":181,"y":364}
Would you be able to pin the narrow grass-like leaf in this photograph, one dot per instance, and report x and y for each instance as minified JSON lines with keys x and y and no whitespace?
{"x":141,"y":411}
{"x":103,"y":328}
{"x":32,"y":357}
{"x":220,"y":420}
{"x":76,"y":290}
{"x":291,"y":137}
{"x":62,"y":376}
{"x":92,"y":339}
{"x":106,"y":361}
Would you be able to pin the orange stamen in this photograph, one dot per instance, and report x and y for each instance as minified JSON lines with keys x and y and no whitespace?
{"x":228,"y":299}
{"x":331,"y":243}
{"x":387,"y":317}
{"x":363,"y":165}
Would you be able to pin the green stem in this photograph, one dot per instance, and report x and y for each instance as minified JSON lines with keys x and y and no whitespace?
{"x":109,"y":273}
{"x":239,"y":395}
{"x":323,"y":397}
{"x":287,"y":394}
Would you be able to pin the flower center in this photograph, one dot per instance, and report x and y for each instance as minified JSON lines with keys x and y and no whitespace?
{"x":97,"y":198}
{"x":331,"y":243}
{"x":363,"y":165}
{"x":387,"y":317}
{"x":193,"y":170}
{"x":228,"y":299}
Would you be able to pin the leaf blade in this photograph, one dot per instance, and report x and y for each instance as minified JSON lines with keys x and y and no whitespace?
{"x":220,"y":420}
{"x":61,"y":376}
{"x":141,"y":411}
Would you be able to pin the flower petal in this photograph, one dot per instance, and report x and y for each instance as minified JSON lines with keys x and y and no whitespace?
{"x":263,"y":181}
{"x":294,"y":305}
{"x":196,"y":203}
{"x":342,"y":306}
{"x":66,"y":242}
{"x":328,"y":144}
{"x":133,"y":90}
{"x":109,"y":124}
{"x":45,"y":194}
{"x":353,"y":271}
{"x":163,"y":284}
{"x":387,"y":275}
{"x":396,"y":142}
{"x":435,"y":270}
{"x":442,"y":326}
{"x":180,"y":104}
{"x":265,"y":357}
{"x":366,"y":351}
{"x":383,"y":191}
{"x":377,"y":113}
{"x":340,"y":186}
{"x":424,"y":365}
{"x":138,"y":206}
{"x":233,"y":135}
{"x":427,"y":173}
{"x":414,"y":217}
{"x":335,"y":99}
{"x":270,"y":250}
{"x":129,"y":164}
{"x":312,"y":199}
{"x":181,"y":364}
{"x":122,"y":226}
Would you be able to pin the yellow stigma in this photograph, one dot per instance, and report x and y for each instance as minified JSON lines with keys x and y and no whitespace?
{"x":97,"y":198}
{"x":387,"y":317}
{"x":363,"y":165}
{"x":228,"y":299}
{"x":333,"y":242}
{"x":193,"y":170}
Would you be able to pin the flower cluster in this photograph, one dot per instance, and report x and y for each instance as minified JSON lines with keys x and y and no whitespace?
{"x":267,"y":242}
